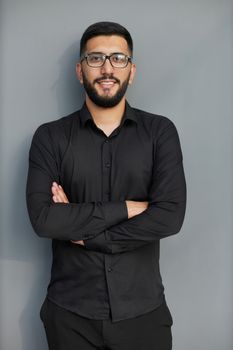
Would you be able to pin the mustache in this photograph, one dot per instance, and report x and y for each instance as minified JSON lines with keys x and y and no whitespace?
{"x":97,"y":80}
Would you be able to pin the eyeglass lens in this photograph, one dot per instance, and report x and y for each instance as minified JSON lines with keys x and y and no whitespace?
{"x":116,"y":59}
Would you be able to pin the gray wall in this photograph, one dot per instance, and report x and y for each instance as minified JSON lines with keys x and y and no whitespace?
{"x":184,"y":55}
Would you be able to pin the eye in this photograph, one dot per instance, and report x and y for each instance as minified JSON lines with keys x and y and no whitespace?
{"x":95,"y":58}
{"x":119,"y":58}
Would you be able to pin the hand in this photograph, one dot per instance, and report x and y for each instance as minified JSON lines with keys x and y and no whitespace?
{"x":135,"y":208}
{"x":59,"y":196}
{"x":78,"y":242}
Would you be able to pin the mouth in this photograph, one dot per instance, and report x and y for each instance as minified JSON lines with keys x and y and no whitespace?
{"x":107,"y":83}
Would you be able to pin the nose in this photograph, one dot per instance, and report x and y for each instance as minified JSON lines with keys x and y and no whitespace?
{"x":107,"y":67}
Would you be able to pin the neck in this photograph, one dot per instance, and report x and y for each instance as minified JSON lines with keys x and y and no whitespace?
{"x":106,"y":116}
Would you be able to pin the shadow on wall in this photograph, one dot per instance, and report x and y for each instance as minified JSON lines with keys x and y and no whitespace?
{"x":69,"y":92}
{"x":22,"y":244}
{"x":69,"y":97}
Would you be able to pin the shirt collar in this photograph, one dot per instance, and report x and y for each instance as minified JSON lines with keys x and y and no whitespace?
{"x":129,"y":114}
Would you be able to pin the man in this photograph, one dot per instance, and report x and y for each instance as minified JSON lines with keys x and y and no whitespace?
{"x":106,"y":183}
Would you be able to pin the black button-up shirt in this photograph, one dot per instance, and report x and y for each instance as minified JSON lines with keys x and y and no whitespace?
{"x":116,"y":274}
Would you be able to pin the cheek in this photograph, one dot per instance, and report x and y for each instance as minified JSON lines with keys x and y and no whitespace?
{"x":122,"y":76}
{"x":91,"y":76}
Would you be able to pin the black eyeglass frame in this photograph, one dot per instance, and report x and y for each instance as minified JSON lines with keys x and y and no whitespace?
{"x":85,"y":57}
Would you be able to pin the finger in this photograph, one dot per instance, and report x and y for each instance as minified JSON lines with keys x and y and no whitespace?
{"x":55,"y":185}
{"x":56,"y":196}
{"x":60,"y":197}
{"x":59,"y":193}
{"x":54,"y":190}
{"x":78,"y":242}
{"x":55,"y":199}
{"x":62,"y":194}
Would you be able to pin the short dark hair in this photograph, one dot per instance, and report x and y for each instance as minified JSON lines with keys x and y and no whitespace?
{"x":105,"y":28}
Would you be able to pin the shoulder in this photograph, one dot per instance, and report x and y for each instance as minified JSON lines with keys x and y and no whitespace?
{"x":58,"y":124}
{"x":55,"y":129}
{"x":156,"y":122}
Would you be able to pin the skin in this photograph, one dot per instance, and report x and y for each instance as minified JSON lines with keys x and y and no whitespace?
{"x":107,"y":119}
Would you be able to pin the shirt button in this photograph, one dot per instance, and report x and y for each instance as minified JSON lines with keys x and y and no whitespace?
{"x":109,"y":269}
{"x":107,"y":165}
{"x":106,"y":141}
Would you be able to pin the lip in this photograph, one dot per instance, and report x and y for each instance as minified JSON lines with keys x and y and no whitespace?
{"x":107,"y":83}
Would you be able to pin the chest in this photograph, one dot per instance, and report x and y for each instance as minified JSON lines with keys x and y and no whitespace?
{"x":120,"y":164}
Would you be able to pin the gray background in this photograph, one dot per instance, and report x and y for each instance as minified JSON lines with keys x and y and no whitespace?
{"x":184,"y":55}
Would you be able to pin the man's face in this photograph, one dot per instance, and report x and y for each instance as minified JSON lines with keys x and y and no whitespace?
{"x":106,"y":86}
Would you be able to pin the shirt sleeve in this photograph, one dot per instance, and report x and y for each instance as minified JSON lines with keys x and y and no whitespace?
{"x":167,"y":202}
{"x":71,"y":221}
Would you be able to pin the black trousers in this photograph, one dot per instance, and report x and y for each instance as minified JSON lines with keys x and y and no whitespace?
{"x":68,"y":331}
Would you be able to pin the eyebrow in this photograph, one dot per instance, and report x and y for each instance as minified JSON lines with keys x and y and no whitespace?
{"x":103,"y":53}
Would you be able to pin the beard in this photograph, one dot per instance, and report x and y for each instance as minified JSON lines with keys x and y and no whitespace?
{"x":105,"y":101}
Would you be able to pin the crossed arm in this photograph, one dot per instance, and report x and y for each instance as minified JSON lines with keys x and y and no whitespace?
{"x":133,"y":207}
{"x":110,"y":227}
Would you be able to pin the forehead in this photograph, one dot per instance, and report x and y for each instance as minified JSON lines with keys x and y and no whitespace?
{"x":107,"y":44}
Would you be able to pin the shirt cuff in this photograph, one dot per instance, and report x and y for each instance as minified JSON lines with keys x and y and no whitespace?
{"x":115,"y":212}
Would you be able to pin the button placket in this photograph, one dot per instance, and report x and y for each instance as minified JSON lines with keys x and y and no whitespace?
{"x":106,"y":168}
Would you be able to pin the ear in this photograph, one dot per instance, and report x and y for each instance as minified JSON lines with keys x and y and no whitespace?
{"x":132,"y":73}
{"x":79,"y":72}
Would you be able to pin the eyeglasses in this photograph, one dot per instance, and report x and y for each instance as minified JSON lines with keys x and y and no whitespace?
{"x":117,"y":59}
